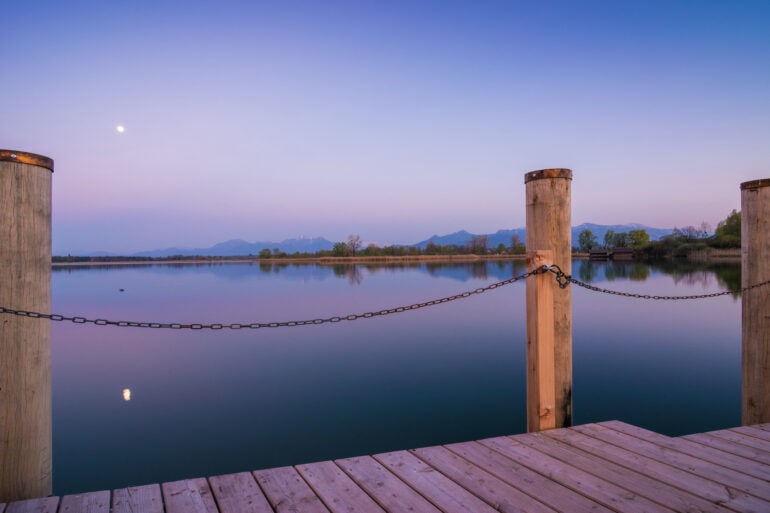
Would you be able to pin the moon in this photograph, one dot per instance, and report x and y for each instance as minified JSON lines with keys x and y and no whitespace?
{"x":120,"y":129}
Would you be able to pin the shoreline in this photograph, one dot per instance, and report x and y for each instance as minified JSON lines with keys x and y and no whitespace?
{"x":711,"y":256}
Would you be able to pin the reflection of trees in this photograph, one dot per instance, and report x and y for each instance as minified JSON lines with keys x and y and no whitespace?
{"x":634,"y":271}
{"x":479,"y":270}
{"x":587,"y":271}
{"x":639,"y":271}
{"x":351,"y":272}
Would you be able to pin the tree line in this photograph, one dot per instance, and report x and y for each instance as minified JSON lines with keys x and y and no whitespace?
{"x":681,"y":242}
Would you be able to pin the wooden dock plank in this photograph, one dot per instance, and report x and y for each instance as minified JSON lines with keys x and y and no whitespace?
{"x":730,"y":447}
{"x":733,"y":481}
{"x":636,"y":482}
{"x":595,"y":468}
{"x":495,"y":492}
{"x":578,"y":480}
{"x":708,"y":469}
{"x":383,"y":486}
{"x":94,"y":502}
{"x":336,"y":489}
{"x":444,"y":493}
{"x":678,"y":478}
{"x":44,"y":505}
{"x":511,"y":472}
{"x":137,"y":499}
{"x":755,"y":432}
{"x":188,"y":496}
{"x":238,"y":493}
{"x":740,"y":438}
{"x":288,"y":492}
{"x":725,"y":459}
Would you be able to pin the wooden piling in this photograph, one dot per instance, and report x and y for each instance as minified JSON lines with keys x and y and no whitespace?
{"x":549,"y":227}
{"x":25,"y":343}
{"x":755,"y":268}
{"x":541,"y":386}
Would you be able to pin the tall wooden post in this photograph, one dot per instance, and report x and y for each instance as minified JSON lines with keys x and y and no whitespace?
{"x":549,"y":227}
{"x":755,"y":268}
{"x":25,"y":343}
{"x":541,"y":387}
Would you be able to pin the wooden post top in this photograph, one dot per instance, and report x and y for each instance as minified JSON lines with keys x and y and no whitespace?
{"x":24,"y":157}
{"x":548,"y":173}
{"x":755,"y":184}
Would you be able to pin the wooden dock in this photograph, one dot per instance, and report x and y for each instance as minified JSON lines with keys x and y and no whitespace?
{"x":603,"y":467}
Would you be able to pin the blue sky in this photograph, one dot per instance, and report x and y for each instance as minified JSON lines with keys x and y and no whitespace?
{"x":393,"y":120}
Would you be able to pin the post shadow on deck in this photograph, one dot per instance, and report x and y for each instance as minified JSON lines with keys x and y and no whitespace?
{"x":25,"y":343}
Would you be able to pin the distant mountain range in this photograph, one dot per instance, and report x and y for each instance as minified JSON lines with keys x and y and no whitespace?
{"x":239,"y":247}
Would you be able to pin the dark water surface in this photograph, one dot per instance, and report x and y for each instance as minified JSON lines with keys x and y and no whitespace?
{"x":212,"y":402}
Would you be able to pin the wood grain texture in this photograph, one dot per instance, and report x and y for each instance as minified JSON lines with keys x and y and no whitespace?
{"x":548,"y":227}
{"x":25,"y":352}
{"x":46,"y":505}
{"x":444,"y":493}
{"x":239,"y":493}
{"x":94,"y":502}
{"x":755,"y":325}
{"x":137,"y":499}
{"x":679,"y":469}
{"x":482,"y":484}
{"x":392,"y":494}
{"x":541,"y":371}
{"x":188,"y":496}
{"x":288,"y":492}
{"x":336,"y":489}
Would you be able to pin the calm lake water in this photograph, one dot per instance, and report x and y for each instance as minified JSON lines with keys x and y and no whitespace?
{"x":212,"y":402}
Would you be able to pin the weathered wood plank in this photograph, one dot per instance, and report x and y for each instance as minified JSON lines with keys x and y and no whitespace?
{"x":730,"y":447}
{"x":389,"y":491}
{"x":742,"y":439}
{"x":288,"y":492}
{"x":765,"y":427}
{"x":137,"y":499}
{"x":444,"y":493}
{"x":580,"y":481}
{"x":727,"y":477}
{"x":188,"y":496}
{"x":238,"y":493}
{"x":336,"y":489}
{"x":95,"y":502}
{"x":676,"y":477}
{"x":511,"y":472}
{"x":490,"y":489}
{"x":636,"y":482}
{"x":45,"y":505}
{"x":716,"y":456}
{"x":754,"y":432}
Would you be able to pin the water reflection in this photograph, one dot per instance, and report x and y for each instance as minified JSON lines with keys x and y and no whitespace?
{"x":691,"y":274}
{"x":250,"y":399}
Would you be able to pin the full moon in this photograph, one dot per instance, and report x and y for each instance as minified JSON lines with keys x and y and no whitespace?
{"x":120,"y":129}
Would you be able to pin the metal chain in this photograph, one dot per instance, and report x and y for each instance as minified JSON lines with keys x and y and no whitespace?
{"x":564,"y":280}
{"x":257,"y":325}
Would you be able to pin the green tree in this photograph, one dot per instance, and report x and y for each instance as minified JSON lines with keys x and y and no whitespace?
{"x":265,"y":253}
{"x":500,"y":248}
{"x":609,"y":239}
{"x":728,"y":232}
{"x":637,"y":239}
{"x":340,"y":249}
{"x":587,"y":241}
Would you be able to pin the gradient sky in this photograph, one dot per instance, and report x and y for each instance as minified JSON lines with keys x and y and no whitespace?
{"x":395,"y":120}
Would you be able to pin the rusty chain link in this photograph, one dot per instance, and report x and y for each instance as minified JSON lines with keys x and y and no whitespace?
{"x":257,"y":325}
{"x":564,"y":280}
